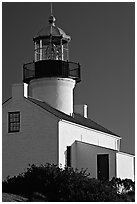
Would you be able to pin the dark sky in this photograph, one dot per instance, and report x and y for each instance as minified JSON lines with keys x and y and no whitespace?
{"x":102,"y":42}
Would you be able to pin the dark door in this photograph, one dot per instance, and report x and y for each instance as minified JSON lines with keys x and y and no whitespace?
{"x":103,"y":166}
{"x":68,"y":156}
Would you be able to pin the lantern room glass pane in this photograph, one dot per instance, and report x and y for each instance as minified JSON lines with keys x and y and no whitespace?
{"x":37,"y":50}
{"x":65,"y":52}
{"x":51,"y":49}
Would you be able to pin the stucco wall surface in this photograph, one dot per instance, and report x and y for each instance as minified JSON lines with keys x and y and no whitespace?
{"x":86,"y":156}
{"x":125,"y":166}
{"x":69,"y":132}
{"x":37,"y":141}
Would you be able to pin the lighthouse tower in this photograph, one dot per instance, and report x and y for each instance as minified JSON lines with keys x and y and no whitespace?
{"x":51,"y":78}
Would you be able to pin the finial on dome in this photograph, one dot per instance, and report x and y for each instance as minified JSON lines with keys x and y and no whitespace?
{"x":52,"y":20}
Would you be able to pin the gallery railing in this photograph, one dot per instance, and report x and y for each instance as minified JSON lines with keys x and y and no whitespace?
{"x":51,"y":68}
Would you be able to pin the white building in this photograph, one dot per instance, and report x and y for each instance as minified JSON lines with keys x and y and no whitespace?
{"x":41,"y":124}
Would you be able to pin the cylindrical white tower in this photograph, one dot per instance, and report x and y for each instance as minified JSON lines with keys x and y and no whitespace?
{"x":57,"y":92}
{"x":52,"y":78}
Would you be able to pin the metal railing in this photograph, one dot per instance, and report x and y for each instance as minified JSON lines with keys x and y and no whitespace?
{"x":51,"y":68}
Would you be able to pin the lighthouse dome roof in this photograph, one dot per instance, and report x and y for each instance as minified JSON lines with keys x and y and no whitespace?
{"x":53,"y":30}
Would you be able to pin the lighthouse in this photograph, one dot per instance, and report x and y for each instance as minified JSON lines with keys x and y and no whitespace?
{"x":45,"y":127}
{"x":51,"y":78}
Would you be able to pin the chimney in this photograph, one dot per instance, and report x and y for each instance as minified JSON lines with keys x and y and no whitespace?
{"x":82,"y":110}
{"x":17,"y":91}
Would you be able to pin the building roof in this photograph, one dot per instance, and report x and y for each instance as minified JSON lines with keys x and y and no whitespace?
{"x":76,"y":118}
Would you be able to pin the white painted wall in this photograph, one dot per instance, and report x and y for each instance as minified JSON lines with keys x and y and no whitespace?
{"x":69,"y":132}
{"x":57,"y":92}
{"x":37,"y":142}
{"x":125,"y":166}
{"x":85,"y":156}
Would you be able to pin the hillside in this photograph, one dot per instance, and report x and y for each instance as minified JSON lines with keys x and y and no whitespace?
{"x":8,"y":197}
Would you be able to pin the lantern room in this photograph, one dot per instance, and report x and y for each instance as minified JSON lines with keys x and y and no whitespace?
{"x":51,"y":43}
{"x":51,"y":56}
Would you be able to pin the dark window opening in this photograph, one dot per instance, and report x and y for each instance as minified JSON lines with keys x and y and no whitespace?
{"x":68,"y":156}
{"x":14,"y":121}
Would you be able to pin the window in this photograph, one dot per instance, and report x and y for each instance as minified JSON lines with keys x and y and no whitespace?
{"x":14,"y":121}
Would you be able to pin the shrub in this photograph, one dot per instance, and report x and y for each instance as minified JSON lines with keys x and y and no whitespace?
{"x":53,"y":184}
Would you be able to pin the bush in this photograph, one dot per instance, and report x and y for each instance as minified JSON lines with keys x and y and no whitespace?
{"x":53,"y":184}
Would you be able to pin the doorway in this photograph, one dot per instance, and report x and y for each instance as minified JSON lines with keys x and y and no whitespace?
{"x":103,"y":166}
